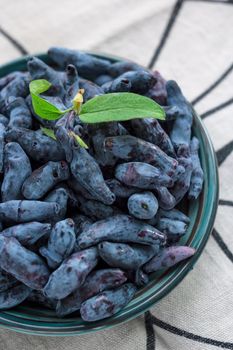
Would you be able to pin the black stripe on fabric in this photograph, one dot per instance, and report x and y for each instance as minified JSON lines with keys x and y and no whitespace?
{"x":214,"y":85}
{"x":189,"y":335}
{"x":224,"y":152}
{"x":225,"y":202}
{"x":222,"y":244}
{"x":150,"y":332}
{"x":229,"y":2}
{"x":14,"y":42}
{"x":167,"y":30}
{"x":217,"y":108}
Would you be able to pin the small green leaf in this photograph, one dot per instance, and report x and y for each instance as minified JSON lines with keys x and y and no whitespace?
{"x":120,"y":106}
{"x":43,"y":108}
{"x":48,"y":132}
{"x":79,"y":140}
{"x":39,"y":86}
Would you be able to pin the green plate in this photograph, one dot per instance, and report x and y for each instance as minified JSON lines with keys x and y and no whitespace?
{"x":32,"y":319}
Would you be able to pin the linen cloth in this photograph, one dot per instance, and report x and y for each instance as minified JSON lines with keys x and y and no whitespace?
{"x":195,"y":40}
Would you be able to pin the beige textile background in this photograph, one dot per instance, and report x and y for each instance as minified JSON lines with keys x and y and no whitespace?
{"x":198,"y":314}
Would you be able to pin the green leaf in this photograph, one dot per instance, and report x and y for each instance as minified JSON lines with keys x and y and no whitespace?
{"x":79,"y":140}
{"x":120,"y":106}
{"x":48,"y":132}
{"x":43,"y":108}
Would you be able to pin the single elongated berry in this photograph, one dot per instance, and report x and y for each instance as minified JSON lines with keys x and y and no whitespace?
{"x":44,"y":179}
{"x":181,"y":130}
{"x":182,"y":185}
{"x":107,"y":303}
{"x":25,"y":211}
{"x":24,"y":265}
{"x":168,"y":257}
{"x":96,"y":282}
{"x":60,"y":244}
{"x":18,"y":87}
{"x":142,"y":175}
{"x":125,"y":256}
{"x":29,"y":233}
{"x":17,"y":169}
{"x":197,"y":177}
{"x":140,"y":81}
{"x":20,"y":115}
{"x":71,"y":274}
{"x":87,"y":172}
{"x":172,"y":227}
{"x":174,"y":214}
{"x":38,"y":146}
{"x":120,"y":228}
{"x":87,"y":65}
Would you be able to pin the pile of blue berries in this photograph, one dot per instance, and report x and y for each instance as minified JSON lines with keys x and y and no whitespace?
{"x":82,"y":229}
